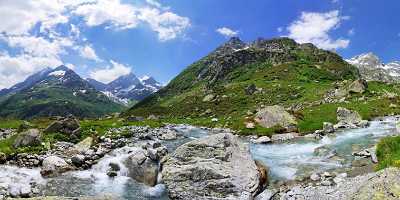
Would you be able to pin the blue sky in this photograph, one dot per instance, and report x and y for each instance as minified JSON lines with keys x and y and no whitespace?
{"x":103,"y":39}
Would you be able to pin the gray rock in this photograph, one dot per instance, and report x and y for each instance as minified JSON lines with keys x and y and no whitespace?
{"x":262,"y":140}
{"x":69,"y":126}
{"x":30,"y":137}
{"x":78,"y":160}
{"x":266,"y":194}
{"x":348,"y":117}
{"x":169,"y":135}
{"x":218,"y":167}
{"x":142,"y":168}
{"x":380,"y":185}
{"x":358,"y":86}
{"x":315,"y":177}
{"x":283,"y":137}
{"x":328,"y":128}
{"x":272,"y":116}
{"x":53,"y":166}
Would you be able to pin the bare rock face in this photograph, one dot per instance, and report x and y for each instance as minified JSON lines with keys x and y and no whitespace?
{"x":358,"y":86}
{"x":68,"y":125}
{"x":53,"y":166}
{"x":275,"y":116}
{"x":142,"y":168}
{"x":349,"y":119}
{"x":30,"y":137}
{"x":384,"y":184}
{"x":216,"y":167}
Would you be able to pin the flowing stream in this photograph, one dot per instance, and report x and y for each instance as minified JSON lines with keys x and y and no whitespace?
{"x":285,"y":160}
{"x":95,"y":182}
{"x":301,"y":158}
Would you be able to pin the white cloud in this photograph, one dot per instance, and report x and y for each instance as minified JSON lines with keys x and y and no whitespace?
{"x":167,"y":24}
{"x":39,"y":46}
{"x":14,"y":69}
{"x":227,"y":32}
{"x":89,"y":53}
{"x":279,"y":29}
{"x":31,"y":30}
{"x":23,"y":15}
{"x":315,"y":27}
{"x":110,"y":73}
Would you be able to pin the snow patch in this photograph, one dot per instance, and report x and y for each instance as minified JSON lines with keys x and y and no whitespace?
{"x":57,"y":73}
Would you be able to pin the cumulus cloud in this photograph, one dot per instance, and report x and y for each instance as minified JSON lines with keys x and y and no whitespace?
{"x":89,"y":53}
{"x":110,"y":73}
{"x":14,"y":69}
{"x":227,"y":32}
{"x":31,"y":31}
{"x":113,"y":13}
{"x":314,"y":28}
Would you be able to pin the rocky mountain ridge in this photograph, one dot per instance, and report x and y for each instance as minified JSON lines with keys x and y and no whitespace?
{"x":128,"y":88}
{"x":373,"y":69}
{"x":53,"y":92}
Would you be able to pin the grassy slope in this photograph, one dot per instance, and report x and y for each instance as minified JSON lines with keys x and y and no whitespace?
{"x":388,"y":152}
{"x":45,"y":101}
{"x":303,"y":81}
{"x":89,"y":127}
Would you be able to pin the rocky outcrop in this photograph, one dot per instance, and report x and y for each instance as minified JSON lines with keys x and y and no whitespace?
{"x":283,"y":137}
{"x":142,"y":168}
{"x":53,"y":166}
{"x":30,"y":137}
{"x":69,"y":126}
{"x":272,"y":116}
{"x":349,"y":119}
{"x":358,"y":86}
{"x":384,"y":184}
{"x":216,"y":167}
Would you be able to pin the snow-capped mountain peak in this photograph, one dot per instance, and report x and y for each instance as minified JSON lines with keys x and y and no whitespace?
{"x":372,"y":69}
{"x":128,"y":88}
{"x":144,"y":78}
{"x":367,"y":59}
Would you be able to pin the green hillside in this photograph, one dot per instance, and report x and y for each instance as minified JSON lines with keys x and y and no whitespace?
{"x":237,"y":79}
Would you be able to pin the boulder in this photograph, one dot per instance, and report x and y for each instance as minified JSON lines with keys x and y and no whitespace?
{"x":69,"y":125}
{"x":328,"y":128}
{"x":358,"y":86}
{"x":347,"y":118}
{"x":84,"y":145}
{"x":215,"y":167}
{"x":283,"y":137}
{"x":169,"y":135}
{"x":272,"y":116}
{"x":262,"y":140}
{"x":142,"y":168}
{"x":78,"y":160}
{"x":30,"y":137}
{"x":53,"y":166}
